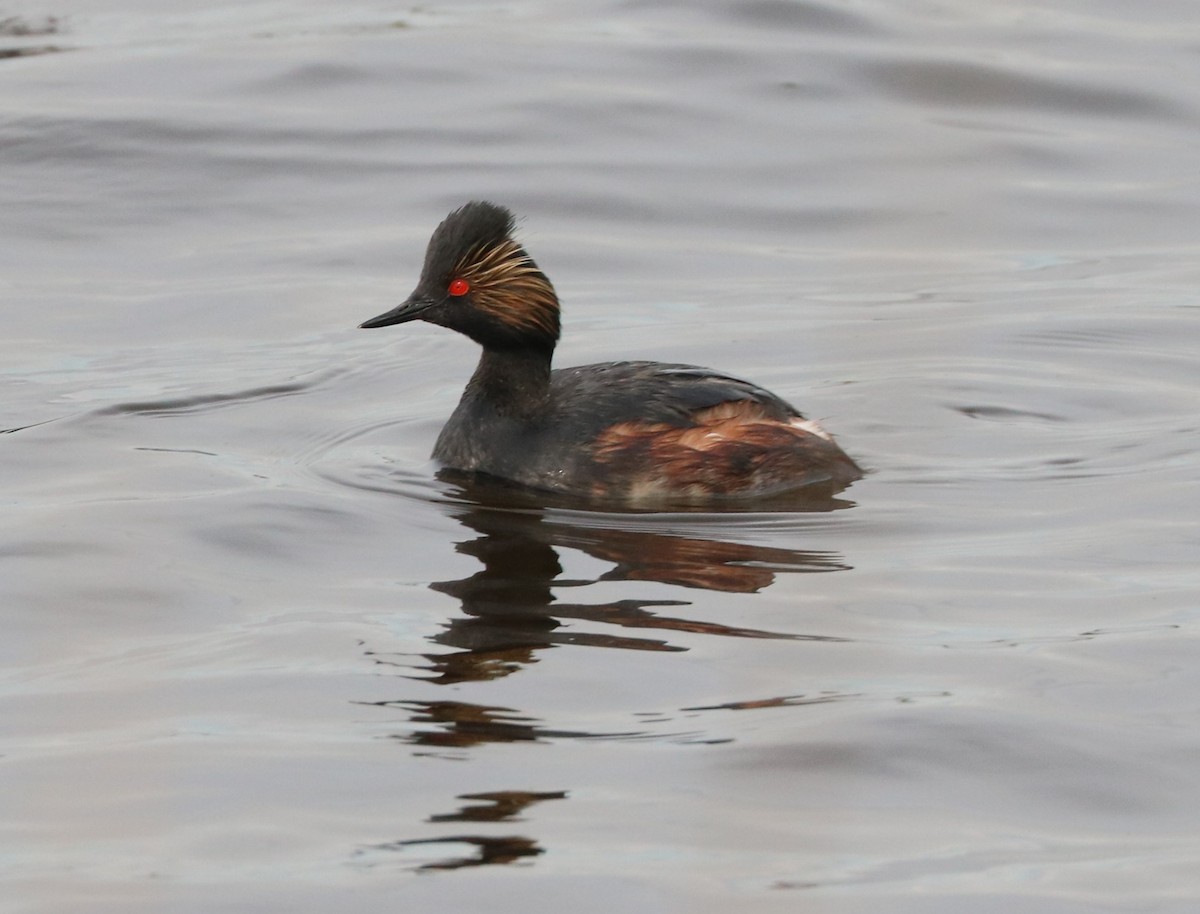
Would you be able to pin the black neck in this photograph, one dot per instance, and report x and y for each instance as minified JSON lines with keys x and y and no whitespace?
{"x":513,"y":382}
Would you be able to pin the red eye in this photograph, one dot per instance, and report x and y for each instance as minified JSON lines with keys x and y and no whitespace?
{"x":459,"y":287}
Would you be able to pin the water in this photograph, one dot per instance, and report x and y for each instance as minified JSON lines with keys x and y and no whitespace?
{"x":257,"y":657}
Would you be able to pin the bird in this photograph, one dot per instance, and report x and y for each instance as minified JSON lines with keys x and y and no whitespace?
{"x":625,"y":432}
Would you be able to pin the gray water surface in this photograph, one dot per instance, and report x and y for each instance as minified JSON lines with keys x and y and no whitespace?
{"x":256,"y":656}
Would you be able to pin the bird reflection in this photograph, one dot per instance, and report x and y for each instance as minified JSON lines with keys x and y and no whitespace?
{"x":497,"y":806}
{"x":443,"y":725}
{"x":516,"y":605}
{"x":489,"y":850}
{"x":513,"y":606}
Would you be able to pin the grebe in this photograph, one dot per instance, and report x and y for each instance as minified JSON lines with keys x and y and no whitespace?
{"x":629,"y":432}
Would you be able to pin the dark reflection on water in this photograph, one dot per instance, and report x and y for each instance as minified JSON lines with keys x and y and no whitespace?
{"x":497,"y":806}
{"x":513,"y":606}
{"x":461,"y":725}
{"x":779,"y":701}
{"x":16,"y":27}
{"x":203,"y":403}
{"x":513,"y":609}
{"x":489,"y":850}
{"x":10,"y":53}
{"x":21,"y":428}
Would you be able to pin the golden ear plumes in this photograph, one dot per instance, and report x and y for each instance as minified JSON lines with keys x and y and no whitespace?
{"x":507,"y":284}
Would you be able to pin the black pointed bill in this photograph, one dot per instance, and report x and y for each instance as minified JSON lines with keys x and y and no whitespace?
{"x":410,"y":310}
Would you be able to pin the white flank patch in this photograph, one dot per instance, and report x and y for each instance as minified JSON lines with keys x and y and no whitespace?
{"x":812,"y":426}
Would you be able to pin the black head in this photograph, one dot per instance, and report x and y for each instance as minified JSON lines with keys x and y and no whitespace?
{"x":479,"y":281}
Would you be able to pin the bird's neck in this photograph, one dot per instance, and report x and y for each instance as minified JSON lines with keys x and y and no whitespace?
{"x":514,"y":383}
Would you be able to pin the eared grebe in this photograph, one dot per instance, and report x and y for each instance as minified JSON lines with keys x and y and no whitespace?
{"x":619,"y":431}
